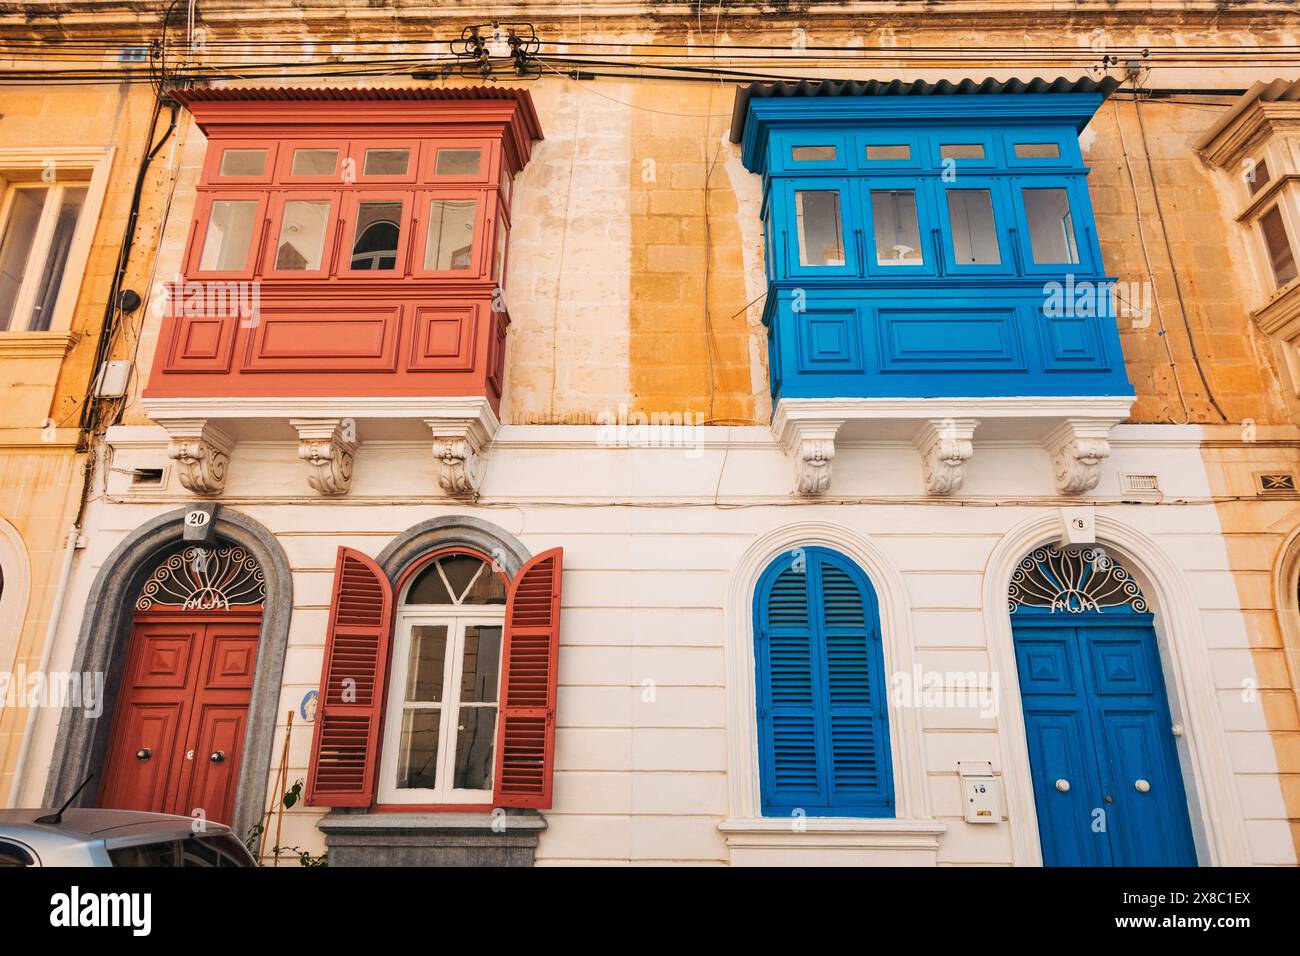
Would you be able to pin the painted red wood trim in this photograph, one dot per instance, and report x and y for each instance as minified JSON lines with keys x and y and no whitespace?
{"x":353,"y":685}
{"x":525,"y":760}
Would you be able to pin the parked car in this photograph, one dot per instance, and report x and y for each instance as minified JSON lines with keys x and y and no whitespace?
{"x":91,"y":837}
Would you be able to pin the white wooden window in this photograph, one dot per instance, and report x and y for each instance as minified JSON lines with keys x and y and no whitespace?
{"x":49,"y":205}
{"x":440,"y":724}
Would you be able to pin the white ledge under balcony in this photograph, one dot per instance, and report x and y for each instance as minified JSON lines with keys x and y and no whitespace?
{"x":204,"y":432}
{"x":946,"y":432}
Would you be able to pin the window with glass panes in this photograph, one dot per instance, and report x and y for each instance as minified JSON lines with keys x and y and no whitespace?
{"x":440,"y":728}
{"x":352,"y":208}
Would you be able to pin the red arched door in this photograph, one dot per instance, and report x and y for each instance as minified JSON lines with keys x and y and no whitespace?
{"x":182,"y":704}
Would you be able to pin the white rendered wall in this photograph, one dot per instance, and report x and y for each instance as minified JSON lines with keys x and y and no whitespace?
{"x":649,"y":564}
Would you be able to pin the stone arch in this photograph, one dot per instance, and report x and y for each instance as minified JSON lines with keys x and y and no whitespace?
{"x":82,"y":741}
{"x":1216,"y":817}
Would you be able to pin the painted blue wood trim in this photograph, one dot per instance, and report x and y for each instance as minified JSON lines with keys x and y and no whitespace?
{"x":1097,"y":714}
{"x":822,"y":720}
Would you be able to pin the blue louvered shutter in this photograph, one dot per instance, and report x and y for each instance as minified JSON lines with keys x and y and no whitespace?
{"x":823,"y":728}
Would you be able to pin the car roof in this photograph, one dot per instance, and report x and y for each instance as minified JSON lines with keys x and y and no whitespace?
{"x":89,"y":823}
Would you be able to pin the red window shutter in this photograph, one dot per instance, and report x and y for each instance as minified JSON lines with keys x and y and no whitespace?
{"x":526,"y":737}
{"x":345,"y":748}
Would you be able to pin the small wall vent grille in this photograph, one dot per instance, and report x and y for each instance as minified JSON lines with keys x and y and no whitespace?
{"x":1275,"y":482}
{"x":1140,"y":487}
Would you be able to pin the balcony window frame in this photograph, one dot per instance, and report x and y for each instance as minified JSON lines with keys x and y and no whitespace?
{"x":483,"y":220}
{"x":275,"y":217}
{"x":926,"y":223}
{"x":1003,"y":217}
{"x":212,"y":163}
{"x":352,"y":200}
{"x":1085,"y":238}
{"x":489,"y":160}
{"x":202,"y":220}
{"x":284,"y":174}
{"x":357,"y":149}
{"x":851,"y":242}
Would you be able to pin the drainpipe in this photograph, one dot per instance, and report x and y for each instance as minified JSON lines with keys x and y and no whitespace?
{"x":56,"y":612}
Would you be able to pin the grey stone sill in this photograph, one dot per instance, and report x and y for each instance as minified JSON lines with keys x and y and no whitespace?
{"x":479,"y":824}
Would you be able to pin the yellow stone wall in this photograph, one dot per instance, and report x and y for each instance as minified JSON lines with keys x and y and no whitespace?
{"x":41,"y":387}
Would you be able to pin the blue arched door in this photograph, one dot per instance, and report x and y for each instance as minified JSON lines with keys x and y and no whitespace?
{"x":1107,"y":783}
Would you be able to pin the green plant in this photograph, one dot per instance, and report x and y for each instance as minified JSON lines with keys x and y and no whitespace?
{"x":254,"y":836}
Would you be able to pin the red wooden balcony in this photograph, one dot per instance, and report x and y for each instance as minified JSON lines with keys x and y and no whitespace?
{"x":348,"y":247}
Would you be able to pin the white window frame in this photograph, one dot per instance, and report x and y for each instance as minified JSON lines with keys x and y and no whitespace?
{"x":20,"y":167}
{"x":456,"y":618}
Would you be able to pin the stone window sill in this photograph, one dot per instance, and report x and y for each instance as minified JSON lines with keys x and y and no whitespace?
{"x":762,"y":841}
{"x":432,"y":839}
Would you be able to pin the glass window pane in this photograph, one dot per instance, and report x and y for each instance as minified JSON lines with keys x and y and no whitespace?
{"x":902,"y":151}
{"x":805,"y":154}
{"x":230,"y":235}
{"x":482,"y":664}
{"x":417,"y":757}
{"x":302,"y":235}
{"x":1257,"y":177}
{"x":458,"y":162}
{"x":387,"y":162}
{"x":56,"y":260}
{"x":476,"y":734}
{"x":961,"y":151}
{"x":460,"y":570}
{"x":243,"y":162}
{"x":428,"y":587}
{"x":314,"y":162}
{"x":488,"y":588}
{"x":499,"y":259}
{"x":1280,"y":256}
{"x":426,"y":663}
{"x":1051,"y":227}
{"x":377,"y":234}
{"x":20,"y":231}
{"x":898,"y":231}
{"x":451,"y":234}
{"x":817,"y":215}
{"x":1038,"y":151}
{"x":974,"y":233}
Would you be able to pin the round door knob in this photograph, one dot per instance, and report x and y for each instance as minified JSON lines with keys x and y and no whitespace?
{"x":144,"y":753}
{"x":1141,"y":786}
{"x":1063,"y":785}
{"x":217,"y":756}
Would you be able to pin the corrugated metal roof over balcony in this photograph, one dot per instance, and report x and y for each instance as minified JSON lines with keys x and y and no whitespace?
{"x":1273,"y":91}
{"x":823,"y":88}
{"x":357,"y":94}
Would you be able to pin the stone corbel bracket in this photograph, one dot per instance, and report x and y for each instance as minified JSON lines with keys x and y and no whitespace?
{"x":945,"y":446}
{"x":201,"y":451}
{"x":810,"y":443}
{"x":327,"y":445}
{"x":460,"y":453}
{"x":1077,"y":447}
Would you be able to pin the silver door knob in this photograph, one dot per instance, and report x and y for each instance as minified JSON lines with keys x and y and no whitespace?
{"x":1063,"y":785}
{"x":1141,"y":786}
{"x":217,"y":756}
{"x":144,"y":753}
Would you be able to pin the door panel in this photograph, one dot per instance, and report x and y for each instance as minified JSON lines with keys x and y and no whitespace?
{"x":132,"y":783}
{"x":152,"y":714}
{"x":1060,"y":742}
{"x":1151,"y":828}
{"x":1096,"y":715}
{"x":206,"y":784}
{"x":185,"y":697}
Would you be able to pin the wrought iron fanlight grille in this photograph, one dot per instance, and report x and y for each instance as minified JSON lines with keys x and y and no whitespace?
{"x":1072,"y":580}
{"x":195,"y":578}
